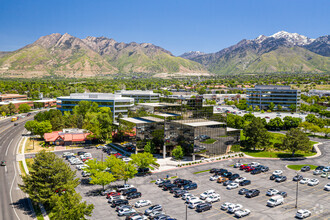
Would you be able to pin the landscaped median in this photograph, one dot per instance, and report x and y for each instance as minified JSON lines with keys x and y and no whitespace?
{"x":298,"y":167}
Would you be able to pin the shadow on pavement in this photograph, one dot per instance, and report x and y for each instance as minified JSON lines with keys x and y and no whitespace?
{"x":24,"y":206}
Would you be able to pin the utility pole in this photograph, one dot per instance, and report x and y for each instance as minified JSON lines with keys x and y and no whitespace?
{"x":297,"y":192}
{"x":186,"y":212}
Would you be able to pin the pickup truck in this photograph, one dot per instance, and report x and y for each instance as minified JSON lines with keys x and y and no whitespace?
{"x":124,"y":187}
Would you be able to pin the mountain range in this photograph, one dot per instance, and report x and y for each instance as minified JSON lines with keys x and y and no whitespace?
{"x":280,"y":52}
{"x":69,"y":56}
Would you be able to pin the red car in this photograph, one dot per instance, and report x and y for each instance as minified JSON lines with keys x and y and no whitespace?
{"x":117,"y":155}
{"x":249,"y":169}
{"x":243,"y":167}
{"x":113,"y":194}
{"x":87,"y":158}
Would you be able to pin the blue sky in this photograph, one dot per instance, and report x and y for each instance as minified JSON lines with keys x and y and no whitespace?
{"x":176,"y":25}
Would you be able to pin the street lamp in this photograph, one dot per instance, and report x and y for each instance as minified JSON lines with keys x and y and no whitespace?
{"x":297,"y":191}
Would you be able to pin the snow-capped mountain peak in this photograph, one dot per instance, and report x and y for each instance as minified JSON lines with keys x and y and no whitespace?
{"x":293,"y":38}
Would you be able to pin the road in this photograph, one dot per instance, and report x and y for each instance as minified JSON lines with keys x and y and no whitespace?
{"x":13,"y":202}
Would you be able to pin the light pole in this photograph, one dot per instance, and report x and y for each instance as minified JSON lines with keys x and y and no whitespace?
{"x":297,"y":191}
{"x":186,"y":212}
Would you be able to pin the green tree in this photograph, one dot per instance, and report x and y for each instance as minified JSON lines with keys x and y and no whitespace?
{"x":48,"y":174}
{"x":99,"y":173}
{"x":149,"y":147}
{"x":271,"y":106}
{"x":291,"y":122}
{"x":292,"y":108}
{"x":5,"y":109}
{"x":123,"y":171}
{"x":23,"y":108}
{"x":68,"y":205}
{"x":296,"y":140}
{"x":143,"y":160}
{"x":31,"y":126}
{"x":279,"y":107}
{"x":275,"y":123}
{"x":256,"y":108}
{"x":57,"y":123}
{"x":177,"y":152}
{"x":12,"y":108}
{"x":42,"y":128}
{"x":256,"y":134}
{"x":82,"y":108}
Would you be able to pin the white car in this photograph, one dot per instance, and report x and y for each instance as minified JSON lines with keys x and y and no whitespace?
{"x":304,"y":180}
{"x":158,"y":181}
{"x":213,"y":198}
{"x":226,"y":205}
{"x":240,"y":179}
{"x":126,"y":159}
{"x":303,"y":213}
{"x":278,"y":172}
{"x":234,"y":208}
{"x":326,"y":169}
{"x":254,"y":164}
{"x":241,"y":213}
{"x":193,"y":204}
{"x":327,"y":187}
{"x":324,"y":175}
{"x":271,"y":192}
{"x":142,"y":203}
{"x":206,"y":194}
{"x":124,"y":187}
{"x":67,"y":154}
{"x":313,"y":182}
{"x":191,"y":199}
{"x":104,"y":192}
{"x":85,"y":174}
{"x":126,"y":211}
{"x":112,"y":198}
{"x":88,"y":155}
{"x":317,"y":172}
{"x":232,"y":186}
{"x":187,"y":195}
{"x":237,"y":165}
{"x":213,"y":178}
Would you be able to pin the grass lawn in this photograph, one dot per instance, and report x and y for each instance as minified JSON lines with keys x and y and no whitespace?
{"x":29,"y":162}
{"x":298,"y":167}
{"x":203,"y":171}
{"x":209,"y":141}
{"x":276,"y":154}
{"x":274,"y":137}
{"x":21,"y":167}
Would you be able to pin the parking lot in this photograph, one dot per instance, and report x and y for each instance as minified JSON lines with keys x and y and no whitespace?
{"x":313,"y":198}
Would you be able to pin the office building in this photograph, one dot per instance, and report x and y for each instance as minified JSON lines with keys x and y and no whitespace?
{"x":263,"y":95}
{"x":117,"y":103}
{"x":139,"y":95}
{"x":12,"y":97}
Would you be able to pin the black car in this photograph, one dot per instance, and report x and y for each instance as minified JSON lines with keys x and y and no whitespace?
{"x":272,"y":177}
{"x":183,"y":183}
{"x":179,"y":193}
{"x":256,"y":171}
{"x":134,"y":195}
{"x":297,"y":178}
{"x":190,"y":186}
{"x":172,"y":190}
{"x":305,"y":168}
{"x":228,"y":174}
{"x":214,"y":170}
{"x":252,"y":193}
{"x":163,"y":183}
{"x":243,"y":191}
{"x":280,"y":179}
{"x":176,"y":181}
{"x":119,"y":202}
{"x":234,"y":176}
{"x":203,"y":207}
{"x":221,"y":171}
{"x":168,"y":186}
{"x":28,"y":114}
{"x":226,"y":183}
{"x":245,"y":182}
{"x":320,"y":168}
{"x":129,"y":191}
{"x":81,"y":153}
{"x":284,"y":194}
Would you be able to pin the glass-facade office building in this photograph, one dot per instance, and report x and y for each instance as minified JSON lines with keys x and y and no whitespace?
{"x":140,"y":95}
{"x":262,"y":96}
{"x":117,"y":103}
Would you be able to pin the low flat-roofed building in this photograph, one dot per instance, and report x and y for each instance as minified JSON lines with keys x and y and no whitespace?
{"x":12,"y":97}
{"x":47,"y":102}
{"x":319,"y":93}
{"x":17,"y":103}
{"x":140,"y":95}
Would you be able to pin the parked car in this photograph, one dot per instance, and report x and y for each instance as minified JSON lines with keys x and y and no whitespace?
{"x":243,"y":191}
{"x":214,"y":177}
{"x":275,"y":201}
{"x":234,"y":176}
{"x":280,"y":179}
{"x":174,"y":189}
{"x":282,"y":193}
{"x":327,"y":187}
{"x":317,"y":172}
{"x":109,"y":191}
{"x":245,"y":182}
{"x":250,"y":169}
{"x":155,"y":214}
{"x":206,"y":194}
{"x":264,"y":168}
{"x":213,"y":198}
{"x":303,"y":213}
{"x":242,"y":167}
{"x":203,"y":207}
{"x":226,"y":183}
{"x":124,"y":187}
{"x":153,"y":209}
{"x":297,"y":178}
{"x":129,"y":191}
{"x":161,"y":184}
{"x":168,"y":186}
{"x":278,"y":172}
{"x":186,"y":196}
{"x":240,"y":179}
{"x":256,"y":171}
{"x":241,"y":213}
{"x":319,"y":167}
{"x":195,"y":203}
{"x":271,"y":192}
{"x":313,"y":182}
{"x":182,"y":183}
{"x":134,"y":195}
{"x":305,"y":168}
{"x":222,"y":179}
{"x":120,"y":207}
{"x":237,"y":165}
{"x":112,"y":194}
{"x":190,"y":186}
{"x":114,"y":198}
{"x":142,"y":203}
{"x":326,"y":169}
{"x":226,"y":205}
{"x":304,"y":180}
{"x":232,"y":186}
{"x":158,"y":181}
{"x":214,"y":170}
{"x":179,"y":193}
{"x":324,"y":175}
{"x":252,"y":193}
{"x":234,"y":208}
{"x":273,"y":177}
{"x":119,"y":202}
{"x":126,"y":211}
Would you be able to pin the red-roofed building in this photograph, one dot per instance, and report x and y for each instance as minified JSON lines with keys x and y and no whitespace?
{"x":67,"y":137}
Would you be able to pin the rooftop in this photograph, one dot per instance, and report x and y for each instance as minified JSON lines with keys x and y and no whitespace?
{"x":165,"y":115}
{"x":157,"y":104}
{"x":232,"y":129}
{"x":272,"y":87}
{"x":15,"y":102}
{"x":45,"y":100}
{"x":142,"y":120}
{"x":96,"y":96}
{"x":11,"y":95}
{"x":199,"y":122}
{"x":136,"y":92}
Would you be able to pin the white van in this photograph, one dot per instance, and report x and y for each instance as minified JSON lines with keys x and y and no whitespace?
{"x":275,"y":201}
{"x":194,"y":203}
